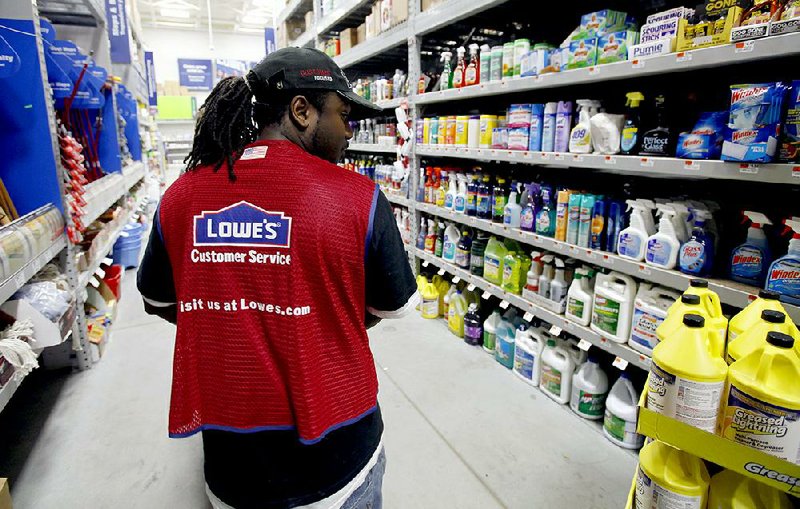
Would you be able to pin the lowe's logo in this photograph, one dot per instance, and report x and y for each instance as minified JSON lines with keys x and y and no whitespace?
{"x":242,"y":224}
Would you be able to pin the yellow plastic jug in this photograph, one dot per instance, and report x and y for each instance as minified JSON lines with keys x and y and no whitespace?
{"x":456,"y":312}
{"x":430,"y":300}
{"x":443,"y":286}
{"x":421,"y":280}
{"x":692,"y":303}
{"x":753,"y":337}
{"x":762,"y":402}
{"x":730,"y":490}
{"x":750,"y":315}
{"x":686,"y":380}
{"x":675,"y":478}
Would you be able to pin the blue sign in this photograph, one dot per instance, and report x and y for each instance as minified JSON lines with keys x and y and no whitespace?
{"x":150,"y":76}
{"x":227,"y":67}
{"x":195,"y":74}
{"x":242,"y":225}
{"x":9,"y":59}
{"x":118,"y":35}
{"x":269,"y":40}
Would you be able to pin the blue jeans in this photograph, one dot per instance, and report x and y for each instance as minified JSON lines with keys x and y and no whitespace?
{"x":369,"y":494}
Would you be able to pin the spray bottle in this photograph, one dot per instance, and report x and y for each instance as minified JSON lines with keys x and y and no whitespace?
{"x":546,"y":216}
{"x":452,"y":190}
{"x":697,"y":255}
{"x":549,"y":127}
{"x":663,"y":246}
{"x":750,"y":261}
{"x":649,"y":222}
{"x":559,"y":285}
{"x":680,"y":221}
{"x":472,"y":74}
{"x":580,"y":140}
{"x":534,"y":274}
{"x":563,"y":124}
{"x":446,"y":80}
{"x":784,"y":273}
{"x":460,"y":70}
{"x":631,"y":139}
{"x":460,"y":205}
{"x":548,"y":273}
{"x":633,"y":239}
{"x":528,"y":213}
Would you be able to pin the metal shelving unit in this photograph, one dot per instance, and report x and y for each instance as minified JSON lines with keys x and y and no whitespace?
{"x":375,"y":46}
{"x":399,"y":200}
{"x":293,"y":7}
{"x":17,"y":280}
{"x":373,"y":148}
{"x":7,"y":391}
{"x":332,"y":19}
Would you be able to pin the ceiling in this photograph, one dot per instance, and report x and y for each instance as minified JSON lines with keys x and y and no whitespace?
{"x":240,"y":16}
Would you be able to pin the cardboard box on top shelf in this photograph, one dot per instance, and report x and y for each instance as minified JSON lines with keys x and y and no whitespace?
{"x":309,"y":19}
{"x":386,"y":15}
{"x":689,"y":38}
{"x":294,"y":28}
{"x":171,"y":88}
{"x":399,"y":11}
{"x":5,"y":495}
{"x":348,"y":38}
{"x":361,"y":33}
{"x":430,"y":4}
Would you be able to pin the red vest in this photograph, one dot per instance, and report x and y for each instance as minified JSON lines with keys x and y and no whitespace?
{"x":269,"y":277}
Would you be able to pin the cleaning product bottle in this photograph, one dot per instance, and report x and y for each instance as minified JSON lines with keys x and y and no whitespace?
{"x":471,"y":207}
{"x":668,"y":477}
{"x":440,"y":187}
{"x":752,"y":338}
{"x":460,"y":203}
{"x":527,"y":220}
{"x":504,"y":345}
{"x":548,"y":273}
{"x":511,"y":273}
{"x":449,"y":295}
{"x":512,"y":215}
{"x":697,"y":255}
{"x":421,"y":235}
{"x":589,"y":390}
{"x":620,"y":418}
{"x":490,"y":332}
{"x":649,"y":222}
{"x":690,"y":303}
{"x":750,"y":261}
{"x":549,"y":127}
{"x":631,"y":141}
{"x":535,"y":272}
{"x":443,"y":287}
{"x":460,"y":69}
{"x":472,"y":73}
{"x":580,"y":139}
{"x":633,"y":239}
{"x":650,"y":309}
{"x":562,"y":208}
{"x":731,"y":490}
{"x":451,"y":238}
{"x":686,"y":380}
{"x":557,"y":370}
{"x":463,"y":249}
{"x":784,"y":273}
{"x":682,"y":230}
{"x":430,"y":238}
{"x":762,"y":400}
{"x":485,"y":63}
{"x":535,"y":131}
{"x":528,"y":348}
{"x":456,"y":312}
{"x":493,"y":261}
{"x":452,"y":191}
{"x":473,"y":327}
{"x":563,"y":126}
{"x":546,"y":217}
{"x":585,"y":220}
{"x":751,"y":315}
{"x":616,"y":222}
{"x":477,"y":253}
{"x":499,"y":200}
{"x":559,"y":287}
{"x":446,"y":80}
{"x":580,"y":299}
{"x":663,"y":246}
{"x":574,"y":218}
{"x":430,"y":300}
{"x":484,"y":210}
{"x":613,"y":306}
{"x":659,"y":141}
{"x":439,"y":240}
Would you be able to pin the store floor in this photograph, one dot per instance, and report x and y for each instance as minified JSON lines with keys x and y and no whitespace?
{"x":461,"y":431}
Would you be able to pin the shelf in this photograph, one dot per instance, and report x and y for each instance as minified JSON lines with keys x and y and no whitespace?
{"x":585,"y":333}
{"x":291,"y":9}
{"x":761,"y":49}
{"x":398,"y":200}
{"x":372,"y":147}
{"x":337,"y":16}
{"x":632,"y":165}
{"x":17,"y":280}
{"x":306,"y":38}
{"x":133,"y":173}
{"x":392,"y":103}
{"x":730,"y":292}
{"x":450,"y":12}
{"x":374,"y":46}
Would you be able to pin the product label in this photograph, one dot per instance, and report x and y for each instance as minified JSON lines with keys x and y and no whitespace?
{"x":448,"y":201}
{"x":476,"y":263}
{"x":575,"y":307}
{"x":689,"y":401}
{"x":747,"y":262}
{"x":693,"y":257}
{"x":491,"y":269}
{"x":629,"y":137}
{"x":588,"y":404}
{"x":523,"y":363}
{"x":630,"y":245}
{"x":430,"y":244}
{"x":471,"y":76}
{"x":606,"y":314}
{"x":460,"y":204}
{"x":619,"y":428}
{"x":462,"y":258}
{"x":527,"y":220}
{"x":472,"y":334}
{"x":484,"y":205}
{"x":472,"y":202}
{"x":543,"y":222}
{"x":430,"y":308}
{"x":651,"y":495}
{"x":508,"y":274}
{"x":499,"y":205}
{"x":489,"y":341}
{"x":449,"y":250}
{"x":551,"y":380}
{"x":657,"y":252}
{"x":655,"y":145}
{"x":761,"y":425}
{"x":643,"y":328}
{"x":504,"y":352}
{"x":784,"y":278}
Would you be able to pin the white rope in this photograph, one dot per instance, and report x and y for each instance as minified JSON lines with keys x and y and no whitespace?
{"x":17,"y":351}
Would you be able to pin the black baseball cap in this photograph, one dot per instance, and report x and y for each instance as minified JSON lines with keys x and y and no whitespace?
{"x":304,"y":69}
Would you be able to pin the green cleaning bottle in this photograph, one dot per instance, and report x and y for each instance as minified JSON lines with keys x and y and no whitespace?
{"x":631,"y":141}
{"x":446,"y":81}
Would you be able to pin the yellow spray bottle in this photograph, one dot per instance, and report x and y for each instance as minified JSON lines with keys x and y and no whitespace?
{"x":730,"y":490}
{"x":749,"y":316}
{"x":762,"y":403}
{"x":753,"y":337}
{"x":690,"y":303}
{"x":672,"y":477}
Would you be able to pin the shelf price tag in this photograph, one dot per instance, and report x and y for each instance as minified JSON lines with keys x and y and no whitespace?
{"x":425,"y":264}
{"x":744,"y":46}
{"x":486,"y":295}
{"x":577,"y":158}
{"x":691,"y":165}
{"x":584,"y":345}
{"x":456,"y":280}
{"x":504,"y":304}
{"x":796,"y":171}
{"x":527,"y":317}
{"x":644,"y":270}
{"x":683,"y":56}
{"x":545,"y":156}
{"x":555,"y":330}
{"x":594,"y":70}
{"x":620,"y":363}
{"x":559,"y":157}
{"x":471,"y":288}
{"x":441,"y":272}
{"x":611,"y":160}
{"x":637,"y":63}
{"x":646,"y":162}
{"x":749,"y":168}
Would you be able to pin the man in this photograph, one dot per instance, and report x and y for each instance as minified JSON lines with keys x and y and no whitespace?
{"x":272,"y":270}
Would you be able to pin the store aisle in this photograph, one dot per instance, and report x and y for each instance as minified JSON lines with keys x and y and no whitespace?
{"x":461,"y":431}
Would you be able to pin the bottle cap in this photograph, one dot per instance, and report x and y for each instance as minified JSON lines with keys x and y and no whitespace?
{"x":688,"y":298}
{"x":772,"y":316}
{"x":551,"y":342}
{"x":698,"y":283}
{"x":768,"y":294}
{"x":694,"y":321}
{"x":780,"y":339}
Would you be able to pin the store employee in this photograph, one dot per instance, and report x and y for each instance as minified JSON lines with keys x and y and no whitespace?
{"x":273,"y":261}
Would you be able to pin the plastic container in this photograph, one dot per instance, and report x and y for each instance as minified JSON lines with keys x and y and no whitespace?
{"x":689,"y":303}
{"x":455,"y":313}
{"x":762,"y":401}
{"x":557,"y":370}
{"x":508,"y":60}
{"x":496,"y":72}
{"x":751,"y":314}
{"x":474,"y":132}
{"x":528,"y":355}
{"x":490,"y":332}
{"x":620,"y":418}
{"x":589,"y":390}
{"x":462,"y":131}
{"x":430,"y":300}
{"x":504,"y":350}
{"x":613,"y":306}
{"x":670,"y":478}
{"x":730,"y":490}
{"x":753,"y":337}
{"x":493,"y":260}
{"x":473,"y":328}
{"x":649,"y":312}
{"x":488,"y":123}
{"x":521,"y":48}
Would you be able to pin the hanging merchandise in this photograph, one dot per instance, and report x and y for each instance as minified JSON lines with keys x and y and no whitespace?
{"x":613,"y":306}
{"x":557,"y":370}
{"x":649,"y":312}
{"x":631,"y":142}
{"x":750,"y":261}
{"x":589,"y":390}
{"x":528,"y":354}
{"x":580,"y":299}
{"x":751,"y":339}
{"x":620,"y":418}
{"x":473,"y":328}
{"x":784,"y":273}
{"x":697,"y":255}
{"x":731,"y":490}
{"x":490,"y":332}
{"x":762,"y":401}
{"x":504,"y":343}
{"x":663,"y":246}
{"x":751,"y":315}
{"x":668,"y":477}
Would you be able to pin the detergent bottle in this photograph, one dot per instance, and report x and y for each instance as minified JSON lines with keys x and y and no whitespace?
{"x":484,"y":208}
{"x":512,"y":266}
{"x":452,"y":191}
{"x":451,"y":238}
{"x":504,"y":345}
{"x":784,"y":273}
{"x":751,"y":315}
{"x":557,"y":370}
{"x":697,"y":255}
{"x":490,"y":332}
{"x":750,"y":261}
{"x":613,"y":306}
{"x":650,"y":309}
{"x":753,"y":337}
{"x":430,"y":300}
{"x":686,"y":380}
{"x":446,"y":301}
{"x":663,"y":246}
{"x":532,"y":279}
{"x":580,"y":140}
{"x":446,"y":80}
{"x":589,"y":390}
{"x":668,"y":477}
{"x":528,"y":212}
{"x":463,"y":249}
{"x":730,"y":490}
{"x":456,"y":312}
{"x":621,"y":416}
{"x":528,"y":354}
{"x":493,"y":260}
{"x":580,"y":299}
{"x":762,"y":402}
{"x":632,"y":242}
{"x":460,"y":204}
{"x":473,"y":327}
{"x":512,"y":214}
{"x":472,"y":195}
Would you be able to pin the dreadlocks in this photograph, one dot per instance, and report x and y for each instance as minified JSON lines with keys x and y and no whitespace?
{"x":229,"y":120}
